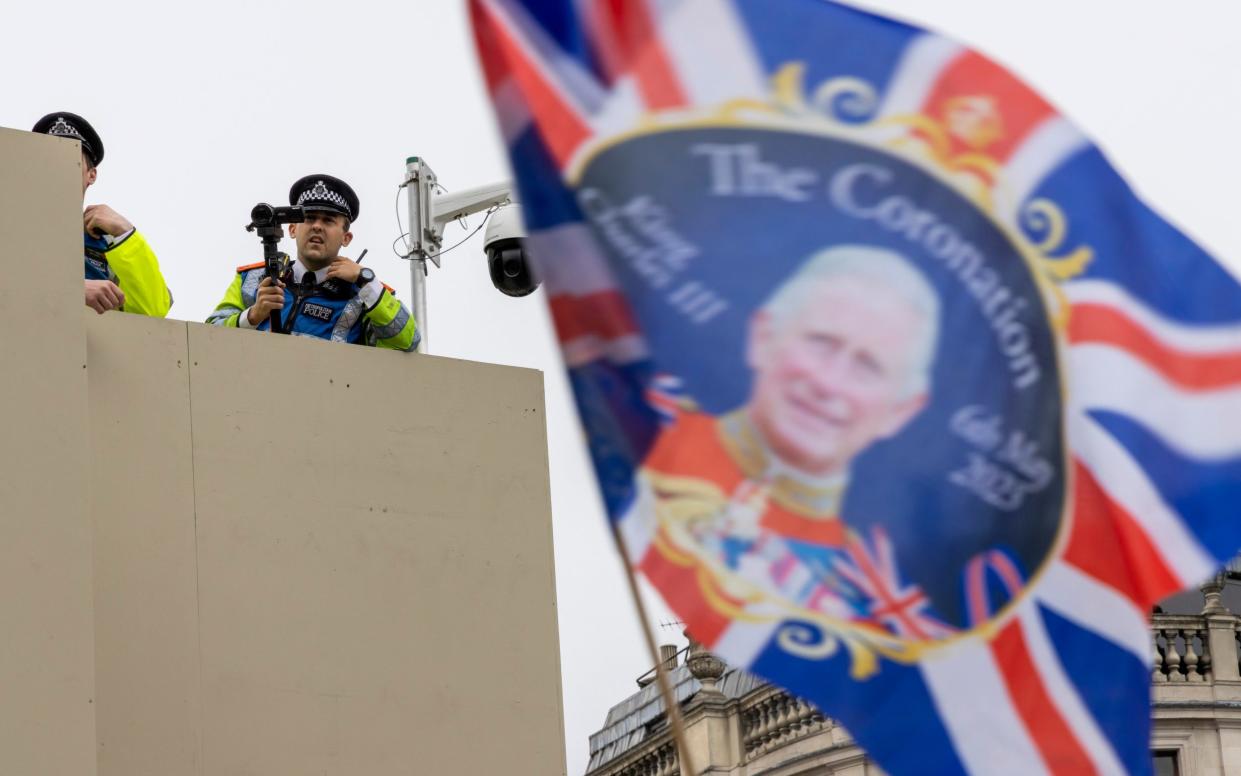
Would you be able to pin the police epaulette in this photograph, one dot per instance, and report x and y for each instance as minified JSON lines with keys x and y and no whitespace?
{"x":249,"y":267}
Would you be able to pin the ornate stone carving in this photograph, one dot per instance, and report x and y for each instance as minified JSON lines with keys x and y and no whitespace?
{"x":1213,"y":592}
{"x":705,"y":667}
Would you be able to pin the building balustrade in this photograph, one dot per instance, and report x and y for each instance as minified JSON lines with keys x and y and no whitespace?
{"x":1182,"y":648}
{"x":661,"y":762}
{"x":774,"y":718}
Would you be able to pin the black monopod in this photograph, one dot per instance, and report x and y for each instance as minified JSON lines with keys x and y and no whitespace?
{"x":267,"y":220}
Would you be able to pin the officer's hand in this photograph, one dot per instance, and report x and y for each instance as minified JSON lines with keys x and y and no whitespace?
{"x":103,"y":295}
{"x":101,"y":219}
{"x":269,"y":298}
{"x":345,"y":269}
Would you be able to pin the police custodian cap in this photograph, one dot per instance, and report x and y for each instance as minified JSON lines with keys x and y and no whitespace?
{"x":323,"y":192}
{"x":65,"y":124}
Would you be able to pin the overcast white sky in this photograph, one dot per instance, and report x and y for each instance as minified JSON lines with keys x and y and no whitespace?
{"x":206,"y":109}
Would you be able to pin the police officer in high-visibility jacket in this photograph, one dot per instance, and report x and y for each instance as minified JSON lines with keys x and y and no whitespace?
{"x":122,"y":272}
{"x":322,"y":294}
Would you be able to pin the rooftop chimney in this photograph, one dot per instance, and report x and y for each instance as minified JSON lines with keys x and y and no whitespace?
{"x":668,"y":655}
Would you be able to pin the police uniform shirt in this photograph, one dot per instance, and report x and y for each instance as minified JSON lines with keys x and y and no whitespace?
{"x":369,"y":294}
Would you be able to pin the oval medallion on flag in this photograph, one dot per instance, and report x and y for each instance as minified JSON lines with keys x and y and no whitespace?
{"x":836,"y":459}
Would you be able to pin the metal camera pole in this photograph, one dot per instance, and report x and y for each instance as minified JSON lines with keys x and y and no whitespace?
{"x":428,"y":215}
{"x":266,"y":221}
{"x":420,"y":183}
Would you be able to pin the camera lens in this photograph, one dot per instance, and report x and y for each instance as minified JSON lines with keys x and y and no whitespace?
{"x":510,"y":270}
{"x":512,"y":263}
{"x":262,"y":213}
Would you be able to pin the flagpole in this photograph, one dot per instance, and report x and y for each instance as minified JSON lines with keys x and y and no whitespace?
{"x":675,"y":723}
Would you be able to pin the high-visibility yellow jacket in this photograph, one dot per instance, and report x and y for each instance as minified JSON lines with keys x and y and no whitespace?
{"x":328,"y":309}
{"x":131,"y":264}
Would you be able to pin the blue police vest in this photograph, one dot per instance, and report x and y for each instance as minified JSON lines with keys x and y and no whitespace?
{"x":96,"y":258}
{"x":330,"y":310}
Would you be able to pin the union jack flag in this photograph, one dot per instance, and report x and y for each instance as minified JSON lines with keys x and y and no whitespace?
{"x":1148,"y":336}
{"x":902,"y":607}
{"x":666,"y":395}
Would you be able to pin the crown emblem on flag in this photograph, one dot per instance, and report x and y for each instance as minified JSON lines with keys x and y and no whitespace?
{"x":974,"y":120}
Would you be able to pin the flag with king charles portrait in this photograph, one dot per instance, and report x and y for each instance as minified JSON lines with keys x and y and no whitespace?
{"x":896,"y":393}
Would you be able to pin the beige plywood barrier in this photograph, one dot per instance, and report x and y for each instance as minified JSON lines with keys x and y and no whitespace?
{"x":317,"y":558}
{"x":375,"y":561}
{"x":146,"y":593}
{"x":47,"y":713}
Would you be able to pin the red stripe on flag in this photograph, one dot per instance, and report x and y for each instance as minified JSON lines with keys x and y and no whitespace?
{"x":633,"y":45}
{"x":681,"y":588}
{"x":1095,"y":323}
{"x":495,"y":69}
{"x":972,"y":93}
{"x":597,"y":17}
{"x":603,"y":314}
{"x":561,"y":127}
{"x":1061,"y":750}
{"x":1108,"y":544}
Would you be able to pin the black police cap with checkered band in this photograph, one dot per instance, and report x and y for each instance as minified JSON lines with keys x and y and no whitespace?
{"x":324,"y":192}
{"x":70,"y":125}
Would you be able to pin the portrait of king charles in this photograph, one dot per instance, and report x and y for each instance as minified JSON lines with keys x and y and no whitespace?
{"x":840,"y":356}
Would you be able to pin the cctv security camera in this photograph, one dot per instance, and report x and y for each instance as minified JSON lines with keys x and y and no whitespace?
{"x":506,"y":254}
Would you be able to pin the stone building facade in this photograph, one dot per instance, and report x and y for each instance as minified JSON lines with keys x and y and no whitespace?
{"x":738,"y":725}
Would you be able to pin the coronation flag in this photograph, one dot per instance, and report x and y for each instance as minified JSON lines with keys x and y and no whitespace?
{"x":895,"y":391}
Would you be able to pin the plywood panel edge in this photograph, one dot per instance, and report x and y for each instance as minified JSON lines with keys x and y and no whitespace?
{"x":146,"y":596}
{"x":47,"y":718}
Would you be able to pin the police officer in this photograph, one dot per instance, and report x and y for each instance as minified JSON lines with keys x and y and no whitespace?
{"x":122,"y":272}
{"x":322,"y":294}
